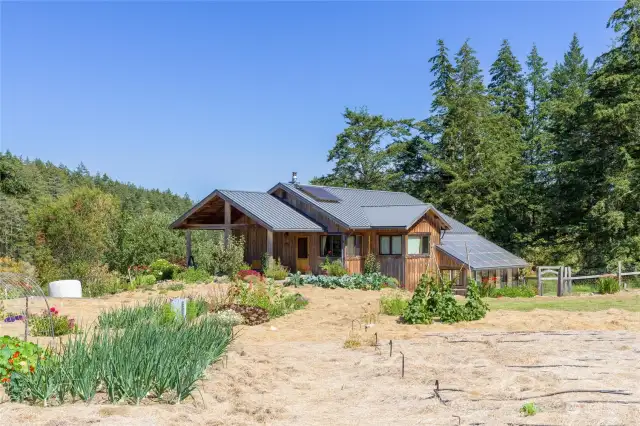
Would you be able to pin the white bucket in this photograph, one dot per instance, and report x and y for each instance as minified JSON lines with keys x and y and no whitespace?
{"x":65,"y":288}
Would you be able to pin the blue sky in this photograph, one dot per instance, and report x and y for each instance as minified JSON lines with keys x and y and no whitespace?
{"x":198,"y":96}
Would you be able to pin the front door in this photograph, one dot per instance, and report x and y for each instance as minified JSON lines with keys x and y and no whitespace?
{"x":302,"y":254}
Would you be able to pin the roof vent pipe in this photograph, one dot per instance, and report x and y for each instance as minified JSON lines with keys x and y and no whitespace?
{"x":294,"y":178}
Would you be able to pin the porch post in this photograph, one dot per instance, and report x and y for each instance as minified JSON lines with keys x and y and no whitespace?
{"x":227,"y":223}
{"x":270,"y":243}
{"x":187,"y":235}
{"x":344,"y":250}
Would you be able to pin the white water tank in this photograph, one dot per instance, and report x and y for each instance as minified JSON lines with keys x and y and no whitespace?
{"x":65,"y":288}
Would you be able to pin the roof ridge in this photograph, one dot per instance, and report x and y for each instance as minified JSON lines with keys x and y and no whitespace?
{"x":243,"y":190}
{"x":401,"y":205}
{"x":352,"y":189}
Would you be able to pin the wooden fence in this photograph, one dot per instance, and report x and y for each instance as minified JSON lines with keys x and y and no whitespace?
{"x":565,"y":279}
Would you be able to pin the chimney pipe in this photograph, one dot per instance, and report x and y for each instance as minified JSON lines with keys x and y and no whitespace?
{"x":294,"y":178}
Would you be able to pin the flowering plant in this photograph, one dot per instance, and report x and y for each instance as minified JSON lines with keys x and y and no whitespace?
{"x":40,"y":325}
{"x":19,"y":356}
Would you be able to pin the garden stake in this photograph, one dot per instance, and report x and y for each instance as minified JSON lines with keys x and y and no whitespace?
{"x":26,"y":317}
{"x":402,"y":364}
{"x":390,"y":348}
{"x":376,"y":333}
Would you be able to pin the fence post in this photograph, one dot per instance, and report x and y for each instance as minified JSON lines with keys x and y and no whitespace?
{"x":620,"y":276}
{"x":539,"y":275}
{"x":560,"y":281}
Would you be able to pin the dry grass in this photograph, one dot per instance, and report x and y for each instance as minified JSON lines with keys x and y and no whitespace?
{"x":299,"y":372}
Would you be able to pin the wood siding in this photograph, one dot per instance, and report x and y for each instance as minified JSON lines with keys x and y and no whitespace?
{"x":447,"y":262}
{"x":255,"y":237}
{"x":354,"y":264}
{"x":417,"y":265}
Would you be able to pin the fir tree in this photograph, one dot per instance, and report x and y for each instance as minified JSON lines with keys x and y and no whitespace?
{"x":507,"y":86}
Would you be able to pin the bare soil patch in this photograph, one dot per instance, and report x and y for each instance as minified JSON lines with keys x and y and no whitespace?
{"x":294,"y":370}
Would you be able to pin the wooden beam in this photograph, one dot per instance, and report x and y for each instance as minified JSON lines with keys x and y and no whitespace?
{"x":217,"y":227}
{"x":270,"y":243}
{"x":227,"y":223}
{"x":187,"y":235}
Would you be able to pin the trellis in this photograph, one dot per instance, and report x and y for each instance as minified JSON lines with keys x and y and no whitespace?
{"x":16,"y":286}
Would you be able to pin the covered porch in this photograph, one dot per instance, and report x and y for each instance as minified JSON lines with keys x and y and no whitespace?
{"x":268,"y":226}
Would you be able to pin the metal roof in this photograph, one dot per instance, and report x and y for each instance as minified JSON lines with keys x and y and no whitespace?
{"x":349,"y":211}
{"x":274,"y":213}
{"x":482,"y":253}
{"x":263,"y":208}
{"x":395,"y":216}
{"x":456,"y":227}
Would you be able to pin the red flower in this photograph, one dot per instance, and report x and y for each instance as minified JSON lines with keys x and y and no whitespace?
{"x":31,"y":368}
{"x":11,"y":361}
{"x":16,"y":354}
{"x":5,"y":380}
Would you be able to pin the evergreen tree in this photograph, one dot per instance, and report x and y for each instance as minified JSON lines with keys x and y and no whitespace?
{"x":507,"y":86}
{"x":478,"y":150}
{"x":612,"y":153}
{"x":572,"y":181}
{"x":360,"y":153}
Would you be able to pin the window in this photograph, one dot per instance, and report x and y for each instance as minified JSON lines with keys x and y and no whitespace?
{"x":418,"y":244}
{"x":331,"y":245}
{"x":390,"y":244}
{"x":302,"y":248}
{"x":354,"y":245}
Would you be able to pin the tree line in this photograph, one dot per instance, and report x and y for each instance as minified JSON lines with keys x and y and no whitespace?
{"x":544,"y":160}
{"x":70,"y":224}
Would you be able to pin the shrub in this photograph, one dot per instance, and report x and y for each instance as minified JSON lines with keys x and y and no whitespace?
{"x":295,"y":280}
{"x":228,"y":318}
{"x":163,"y":270}
{"x":249,"y":272}
{"x":265,"y":261}
{"x":40,"y":325}
{"x":100,"y":281}
{"x":194,"y":275}
{"x":8,"y":264}
{"x":443,"y":304}
{"x":633,"y":282}
{"x":229,"y":260}
{"x":517,"y":291}
{"x":529,"y":409}
{"x":17,"y":356}
{"x":371,"y":264}
{"x":267,"y":296}
{"x":143,"y":281}
{"x":475,"y":308}
{"x":607,"y":285}
{"x":276,"y":271}
{"x":417,"y":311}
{"x":333,"y":269}
{"x":432,"y":299}
{"x":393,"y":304}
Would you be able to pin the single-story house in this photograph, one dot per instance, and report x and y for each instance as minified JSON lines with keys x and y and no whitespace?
{"x":302,"y":225}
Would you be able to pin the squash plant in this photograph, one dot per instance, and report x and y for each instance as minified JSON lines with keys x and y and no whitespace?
{"x":18,"y":356}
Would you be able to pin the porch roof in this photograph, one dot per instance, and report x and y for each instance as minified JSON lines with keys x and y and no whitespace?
{"x":264,"y":208}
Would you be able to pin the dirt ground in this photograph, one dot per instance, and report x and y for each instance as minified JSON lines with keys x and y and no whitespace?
{"x":294,"y":370}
